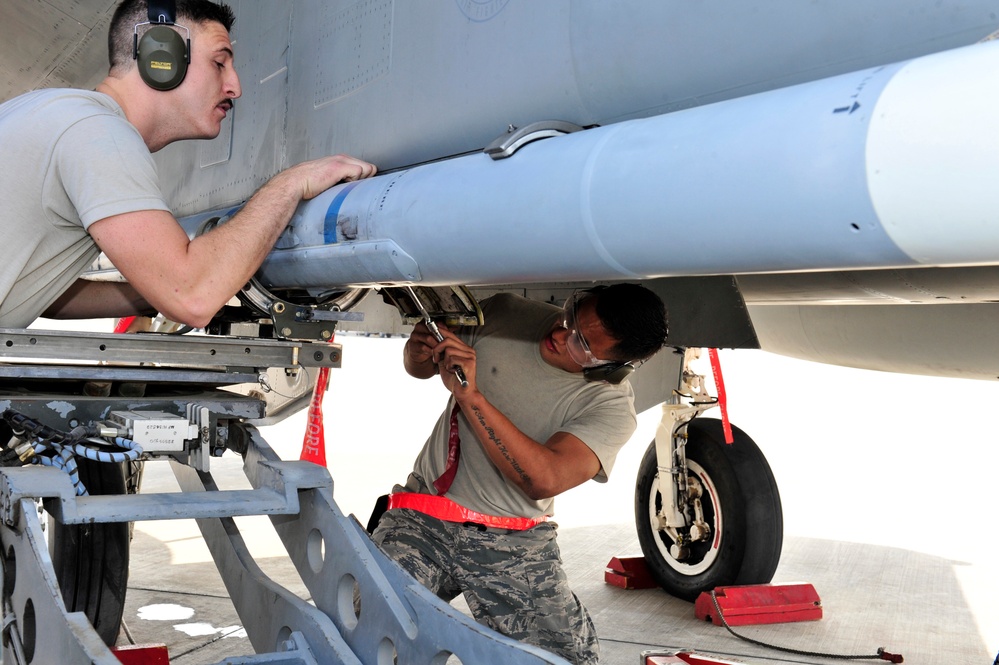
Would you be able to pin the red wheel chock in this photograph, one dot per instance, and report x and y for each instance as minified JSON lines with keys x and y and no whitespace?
{"x":142,"y":654}
{"x":629,"y":572}
{"x":760,"y":603}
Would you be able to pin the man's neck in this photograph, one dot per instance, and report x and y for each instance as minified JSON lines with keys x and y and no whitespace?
{"x":139,"y":111}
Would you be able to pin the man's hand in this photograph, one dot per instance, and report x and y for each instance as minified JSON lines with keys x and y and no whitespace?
{"x":424,"y":356}
{"x":418,"y":354}
{"x":453,"y":353}
{"x":315,"y":177}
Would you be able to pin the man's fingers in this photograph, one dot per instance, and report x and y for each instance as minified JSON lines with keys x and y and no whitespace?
{"x":321,"y":174}
{"x":352,"y":168}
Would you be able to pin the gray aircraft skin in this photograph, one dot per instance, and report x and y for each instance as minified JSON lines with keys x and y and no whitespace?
{"x":729,"y":150}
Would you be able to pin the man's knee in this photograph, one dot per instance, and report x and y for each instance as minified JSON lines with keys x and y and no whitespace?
{"x":529,"y":599}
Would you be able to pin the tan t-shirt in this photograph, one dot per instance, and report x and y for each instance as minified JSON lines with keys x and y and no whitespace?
{"x":69,"y":158}
{"x":538,"y":398}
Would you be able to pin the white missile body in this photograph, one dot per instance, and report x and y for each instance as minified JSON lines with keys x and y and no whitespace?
{"x":892,"y":166}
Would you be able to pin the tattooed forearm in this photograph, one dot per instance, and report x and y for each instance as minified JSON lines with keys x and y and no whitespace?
{"x":501,"y":447}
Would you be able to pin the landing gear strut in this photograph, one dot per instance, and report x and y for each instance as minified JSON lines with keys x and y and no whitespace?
{"x":708,"y":513}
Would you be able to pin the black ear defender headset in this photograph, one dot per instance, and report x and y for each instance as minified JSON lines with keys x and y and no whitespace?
{"x":162,"y":54}
{"x":613,"y":372}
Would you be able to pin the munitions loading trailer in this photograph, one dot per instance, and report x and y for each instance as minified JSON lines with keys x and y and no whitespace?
{"x":126,"y":400}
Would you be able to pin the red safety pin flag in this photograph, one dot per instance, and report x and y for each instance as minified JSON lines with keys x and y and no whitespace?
{"x":314,"y":445}
{"x":722,"y":399}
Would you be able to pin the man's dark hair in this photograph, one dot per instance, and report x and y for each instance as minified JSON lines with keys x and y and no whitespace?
{"x":130,"y":13}
{"x":634,"y":316}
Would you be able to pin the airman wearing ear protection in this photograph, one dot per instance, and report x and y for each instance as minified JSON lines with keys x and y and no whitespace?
{"x":83,"y":178}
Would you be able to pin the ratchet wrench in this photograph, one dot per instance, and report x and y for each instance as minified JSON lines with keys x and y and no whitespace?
{"x":436,"y":332}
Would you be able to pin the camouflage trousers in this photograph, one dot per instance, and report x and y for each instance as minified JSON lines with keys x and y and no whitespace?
{"x":513,"y":581}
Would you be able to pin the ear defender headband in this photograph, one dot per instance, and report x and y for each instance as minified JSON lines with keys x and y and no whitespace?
{"x":612,"y":372}
{"x":162,"y":54}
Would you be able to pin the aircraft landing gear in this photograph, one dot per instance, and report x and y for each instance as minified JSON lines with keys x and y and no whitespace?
{"x":708,"y":513}
{"x":91,"y":560}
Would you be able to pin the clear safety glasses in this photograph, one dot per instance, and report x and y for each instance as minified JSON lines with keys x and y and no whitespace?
{"x":576,"y":344}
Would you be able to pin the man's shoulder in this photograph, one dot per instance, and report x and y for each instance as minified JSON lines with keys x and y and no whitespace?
{"x":515,"y":315}
{"x":510,"y":303}
{"x":63,"y":99}
{"x":501,"y":299}
{"x":55,"y":110}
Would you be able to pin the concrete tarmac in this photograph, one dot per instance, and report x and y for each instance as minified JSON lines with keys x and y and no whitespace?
{"x":886,"y":481}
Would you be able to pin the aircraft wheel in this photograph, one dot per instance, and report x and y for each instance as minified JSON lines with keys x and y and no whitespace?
{"x":91,"y":560}
{"x":740,"y":502}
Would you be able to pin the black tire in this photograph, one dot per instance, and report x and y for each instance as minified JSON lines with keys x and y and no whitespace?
{"x":91,"y":560}
{"x":741,"y":503}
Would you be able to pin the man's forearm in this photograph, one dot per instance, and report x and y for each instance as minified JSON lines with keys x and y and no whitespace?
{"x":244,"y":242}
{"x":190,"y":280}
{"x":95,"y":300}
{"x":497,"y":434}
{"x":540,"y":470}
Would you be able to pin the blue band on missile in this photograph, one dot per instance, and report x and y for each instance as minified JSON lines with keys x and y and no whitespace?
{"x":329,"y":223}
